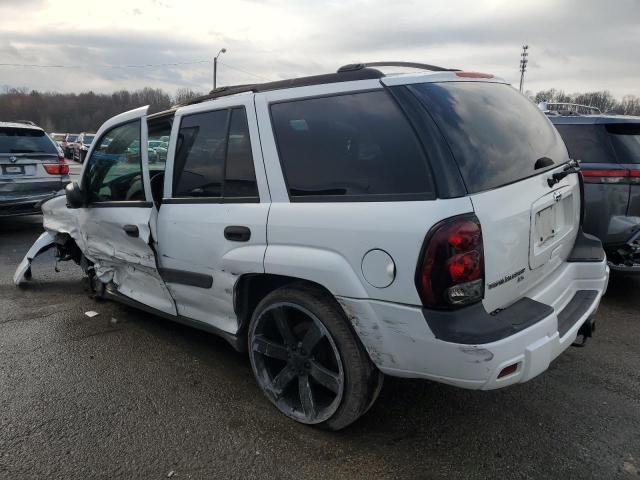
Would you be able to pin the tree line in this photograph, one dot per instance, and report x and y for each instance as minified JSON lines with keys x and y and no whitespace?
{"x":85,"y":112}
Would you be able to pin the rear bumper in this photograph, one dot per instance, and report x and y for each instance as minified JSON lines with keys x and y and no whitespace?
{"x":400,"y":342}
{"x":27,"y":203}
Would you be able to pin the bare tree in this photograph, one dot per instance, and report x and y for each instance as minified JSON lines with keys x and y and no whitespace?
{"x":184,"y":95}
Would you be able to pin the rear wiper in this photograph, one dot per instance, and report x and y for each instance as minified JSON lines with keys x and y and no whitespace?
{"x":572,"y":167}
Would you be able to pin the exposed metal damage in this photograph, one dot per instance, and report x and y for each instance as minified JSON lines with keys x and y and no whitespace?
{"x":129,"y":268}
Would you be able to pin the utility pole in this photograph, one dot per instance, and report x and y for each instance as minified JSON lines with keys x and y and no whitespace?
{"x":523,"y":64}
{"x":215,"y":66}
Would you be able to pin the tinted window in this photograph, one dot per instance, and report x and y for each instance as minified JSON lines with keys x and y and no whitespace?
{"x":199,"y":160}
{"x":587,"y":143}
{"x":240,"y":176}
{"x":357,"y":145}
{"x":114,"y":171}
{"x":496,"y":134}
{"x":625,"y":138}
{"x":25,"y":140}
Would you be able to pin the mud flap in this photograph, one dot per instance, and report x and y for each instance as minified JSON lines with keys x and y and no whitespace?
{"x":42,"y":244}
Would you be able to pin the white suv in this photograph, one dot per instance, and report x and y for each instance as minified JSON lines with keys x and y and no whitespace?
{"x":343,"y":226}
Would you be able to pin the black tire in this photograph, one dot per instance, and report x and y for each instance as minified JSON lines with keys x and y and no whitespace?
{"x":360,"y":381}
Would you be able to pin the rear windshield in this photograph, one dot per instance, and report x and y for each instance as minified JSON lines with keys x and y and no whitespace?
{"x":25,"y":140}
{"x":88,"y":138}
{"x":587,"y":143}
{"x":625,"y":138}
{"x":496,"y":134}
{"x":71,"y":138}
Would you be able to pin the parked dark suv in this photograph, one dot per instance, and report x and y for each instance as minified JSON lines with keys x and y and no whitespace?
{"x":608,"y":148}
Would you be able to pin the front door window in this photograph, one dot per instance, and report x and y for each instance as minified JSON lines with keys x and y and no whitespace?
{"x":114,"y":173}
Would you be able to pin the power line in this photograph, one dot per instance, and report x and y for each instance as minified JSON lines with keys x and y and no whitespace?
{"x":244,"y":71}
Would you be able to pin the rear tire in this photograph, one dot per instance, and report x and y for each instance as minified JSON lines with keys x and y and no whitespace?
{"x":308,"y":361}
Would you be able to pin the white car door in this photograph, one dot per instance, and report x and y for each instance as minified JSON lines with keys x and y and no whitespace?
{"x":114,"y":223}
{"x":212,"y":221}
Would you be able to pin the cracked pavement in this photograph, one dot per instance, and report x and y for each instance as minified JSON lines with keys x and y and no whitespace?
{"x":129,"y":395}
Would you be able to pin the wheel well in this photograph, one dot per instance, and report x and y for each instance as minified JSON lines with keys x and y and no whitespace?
{"x":251,"y":288}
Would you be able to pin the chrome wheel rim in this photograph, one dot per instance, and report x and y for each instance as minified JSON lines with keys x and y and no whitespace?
{"x":297,"y":363}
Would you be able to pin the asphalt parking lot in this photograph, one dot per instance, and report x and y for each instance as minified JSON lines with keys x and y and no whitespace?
{"x":128,"y":395}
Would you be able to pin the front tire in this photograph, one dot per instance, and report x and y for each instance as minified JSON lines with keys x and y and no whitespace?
{"x":307,"y":360}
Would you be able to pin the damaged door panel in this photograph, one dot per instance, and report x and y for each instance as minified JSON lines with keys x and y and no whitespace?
{"x":111,"y":227}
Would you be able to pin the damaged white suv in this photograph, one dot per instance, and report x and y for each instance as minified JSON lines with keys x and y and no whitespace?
{"x":344,"y":226}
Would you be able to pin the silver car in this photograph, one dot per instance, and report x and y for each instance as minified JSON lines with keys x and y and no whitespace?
{"x":32,"y":168}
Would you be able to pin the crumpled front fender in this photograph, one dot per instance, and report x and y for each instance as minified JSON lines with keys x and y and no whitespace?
{"x":42,"y":244}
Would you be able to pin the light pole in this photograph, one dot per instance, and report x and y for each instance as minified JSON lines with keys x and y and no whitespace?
{"x":523,"y":64}
{"x":215,"y":66}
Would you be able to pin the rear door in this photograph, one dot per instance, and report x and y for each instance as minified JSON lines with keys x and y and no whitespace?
{"x":213,"y":217}
{"x":114,"y":225}
{"x":506,"y":150}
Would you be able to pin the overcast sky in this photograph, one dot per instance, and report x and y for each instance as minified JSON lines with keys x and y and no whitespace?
{"x":575,"y":45}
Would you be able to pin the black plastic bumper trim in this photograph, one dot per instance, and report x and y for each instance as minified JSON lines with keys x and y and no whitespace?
{"x":473,"y":325}
{"x":575,"y":309}
{"x":587,"y":248}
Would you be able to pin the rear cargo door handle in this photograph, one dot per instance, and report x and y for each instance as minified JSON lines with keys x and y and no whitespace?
{"x":237,"y":233}
{"x":131,"y":230}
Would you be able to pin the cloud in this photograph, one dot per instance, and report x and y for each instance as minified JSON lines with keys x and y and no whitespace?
{"x":574,"y":44}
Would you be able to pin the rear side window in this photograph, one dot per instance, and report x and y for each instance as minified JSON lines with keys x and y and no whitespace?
{"x":213,"y":157}
{"x":496,"y":134}
{"x":587,"y":143}
{"x":625,"y":138}
{"x":25,"y":140}
{"x":348,"y":148}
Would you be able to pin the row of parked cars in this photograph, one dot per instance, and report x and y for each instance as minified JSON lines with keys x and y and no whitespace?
{"x":76,"y":145}
{"x":350,"y":225}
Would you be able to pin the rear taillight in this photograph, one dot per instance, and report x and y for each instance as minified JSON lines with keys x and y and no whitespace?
{"x":615,"y":175}
{"x":451,"y":270}
{"x":60,"y":168}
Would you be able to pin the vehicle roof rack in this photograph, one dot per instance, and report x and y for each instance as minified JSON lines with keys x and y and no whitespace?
{"x":421,"y":66}
{"x":346,"y":76}
{"x":568,"y":109}
{"x":346,"y":73}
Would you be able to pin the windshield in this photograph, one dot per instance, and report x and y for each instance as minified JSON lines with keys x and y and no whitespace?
{"x":625,"y":138}
{"x":88,"y":139}
{"x":25,"y":140}
{"x":495,"y":133}
{"x":71,"y":138}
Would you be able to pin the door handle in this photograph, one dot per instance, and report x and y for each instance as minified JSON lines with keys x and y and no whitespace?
{"x":237,"y":233}
{"x":131,"y":230}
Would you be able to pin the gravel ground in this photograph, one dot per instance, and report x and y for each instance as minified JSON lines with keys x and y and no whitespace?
{"x":129,"y":395}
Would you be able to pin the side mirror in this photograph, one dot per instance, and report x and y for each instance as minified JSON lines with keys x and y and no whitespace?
{"x":75,"y":197}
